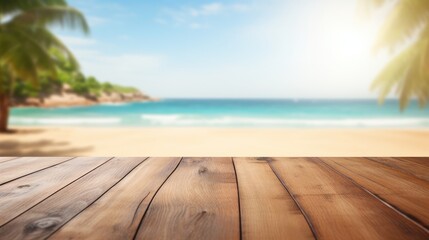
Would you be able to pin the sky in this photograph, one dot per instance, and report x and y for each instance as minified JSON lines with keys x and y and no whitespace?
{"x":229,"y":49}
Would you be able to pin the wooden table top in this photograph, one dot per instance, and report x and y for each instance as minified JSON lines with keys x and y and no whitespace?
{"x":214,"y":198}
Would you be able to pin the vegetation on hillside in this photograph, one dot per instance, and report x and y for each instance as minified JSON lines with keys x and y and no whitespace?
{"x":67,"y":74}
{"x":79,"y":84}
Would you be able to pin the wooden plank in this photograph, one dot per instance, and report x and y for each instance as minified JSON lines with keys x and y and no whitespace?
{"x":11,"y":170}
{"x":45,"y":218}
{"x":5,"y":159}
{"x":118,"y":213}
{"x":267,"y":209}
{"x":419,"y":160}
{"x":405,"y":192}
{"x":406,"y":165}
{"x":338,"y":208}
{"x":18,"y":196}
{"x":199,"y":201}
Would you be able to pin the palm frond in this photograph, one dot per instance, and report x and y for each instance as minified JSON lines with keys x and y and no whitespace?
{"x":25,"y":56}
{"x":58,"y":45}
{"x":403,"y":22}
{"x":408,"y":71}
{"x":66,"y":17}
{"x":11,"y":6}
{"x":49,"y":41}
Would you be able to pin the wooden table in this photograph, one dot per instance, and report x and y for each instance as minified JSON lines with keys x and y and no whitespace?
{"x":214,"y":198}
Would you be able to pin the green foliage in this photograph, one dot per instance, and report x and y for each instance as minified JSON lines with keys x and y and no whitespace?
{"x":408,"y":71}
{"x":123,"y":89}
{"x":27,"y":63}
{"x":46,"y":86}
{"x":22,"y":5}
{"x":78,"y":83}
{"x":26,"y":42}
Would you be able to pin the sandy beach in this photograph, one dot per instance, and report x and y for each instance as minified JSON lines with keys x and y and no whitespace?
{"x":62,"y":141}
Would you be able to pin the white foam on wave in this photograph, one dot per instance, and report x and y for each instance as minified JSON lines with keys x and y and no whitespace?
{"x":163,"y":118}
{"x":64,"y":121}
{"x":199,"y":120}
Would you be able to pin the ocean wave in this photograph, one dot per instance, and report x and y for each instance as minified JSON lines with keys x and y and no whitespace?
{"x":164,"y":118}
{"x":115,"y":104}
{"x":64,"y":121}
{"x":233,"y":121}
{"x":199,"y":120}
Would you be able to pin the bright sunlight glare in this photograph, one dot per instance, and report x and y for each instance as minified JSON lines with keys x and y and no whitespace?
{"x":340,"y":39}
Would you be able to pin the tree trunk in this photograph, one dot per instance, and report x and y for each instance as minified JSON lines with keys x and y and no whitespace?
{"x":4,"y":112}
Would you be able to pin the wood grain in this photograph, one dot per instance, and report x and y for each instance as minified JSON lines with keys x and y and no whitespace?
{"x":404,"y":191}
{"x":199,"y":198}
{"x":267,"y":209}
{"x":5,"y":159}
{"x":117,"y":214}
{"x":20,"y":195}
{"x":339,"y":209}
{"x":199,"y":201}
{"x":11,"y":170}
{"x":45,"y":218}
{"x":419,"y":160}
{"x":405,"y":165}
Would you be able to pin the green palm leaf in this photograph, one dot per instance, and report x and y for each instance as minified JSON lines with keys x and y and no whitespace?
{"x":26,"y":44}
{"x":24,"y":56}
{"x":10,"y":6}
{"x":63,"y":16}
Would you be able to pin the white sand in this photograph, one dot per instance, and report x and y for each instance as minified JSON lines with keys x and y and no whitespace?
{"x":213,"y":142}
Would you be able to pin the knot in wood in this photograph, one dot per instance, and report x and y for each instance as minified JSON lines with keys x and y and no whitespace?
{"x":44,"y":223}
{"x":202,"y":170}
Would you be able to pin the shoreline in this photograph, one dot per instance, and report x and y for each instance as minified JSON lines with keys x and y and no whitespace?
{"x":204,"y":141}
{"x":83,"y":104}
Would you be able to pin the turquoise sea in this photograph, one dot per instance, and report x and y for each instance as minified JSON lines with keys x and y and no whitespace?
{"x":230,"y":113}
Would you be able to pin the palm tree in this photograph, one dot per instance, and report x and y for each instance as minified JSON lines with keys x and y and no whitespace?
{"x":26,"y":43}
{"x":405,"y":31}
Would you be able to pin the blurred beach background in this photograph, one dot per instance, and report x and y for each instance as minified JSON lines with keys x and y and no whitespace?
{"x":230,"y":113}
{"x":215,"y":78}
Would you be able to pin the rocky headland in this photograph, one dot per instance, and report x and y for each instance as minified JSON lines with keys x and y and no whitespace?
{"x":66,"y":97}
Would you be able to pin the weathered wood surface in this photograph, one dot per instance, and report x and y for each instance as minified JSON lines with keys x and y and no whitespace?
{"x":214,"y":198}
{"x":199,"y":201}
{"x":419,"y":167}
{"x":420,"y":160}
{"x":128,"y":198}
{"x":16,"y":168}
{"x":18,"y":196}
{"x":48,"y":216}
{"x":323,"y":192}
{"x":262,"y":198}
{"x":4,"y":159}
{"x":410,"y":195}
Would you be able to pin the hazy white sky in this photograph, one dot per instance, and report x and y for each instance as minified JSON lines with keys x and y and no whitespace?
{"x":230,"y":49}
